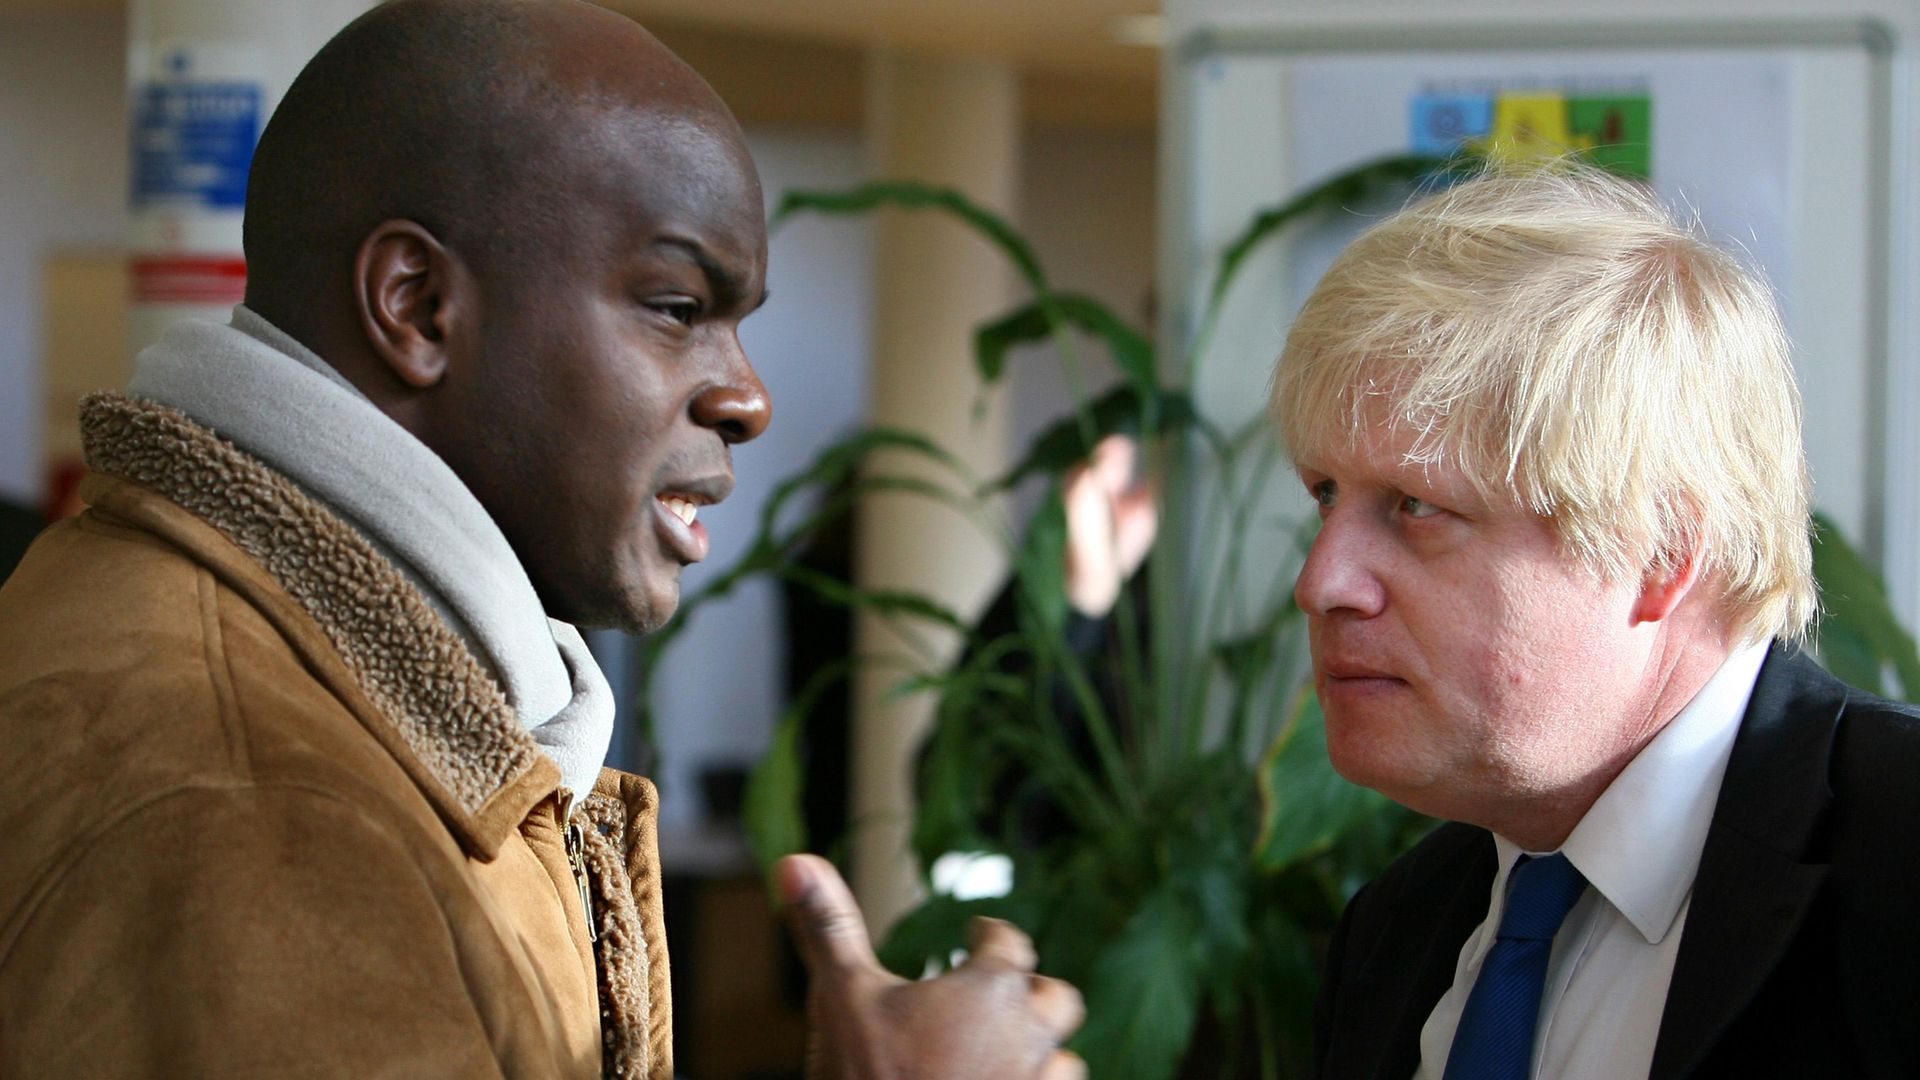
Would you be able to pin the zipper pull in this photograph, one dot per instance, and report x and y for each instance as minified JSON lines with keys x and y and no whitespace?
{"x":576,"y":844}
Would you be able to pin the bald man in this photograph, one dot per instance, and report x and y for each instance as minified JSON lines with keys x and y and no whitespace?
{"x":302,"y":750}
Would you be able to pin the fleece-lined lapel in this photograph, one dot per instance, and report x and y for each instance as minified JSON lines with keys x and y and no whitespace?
{"x":373,"y":639}
{"x":419,"y":689}
{"x":1754,"y":886}
{"x":623,"y":859}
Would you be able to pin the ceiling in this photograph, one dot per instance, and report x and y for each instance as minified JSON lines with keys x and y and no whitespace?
{"x":781,"y":61}
{"x":1075,"y":70}
{"x":1065,"y":36}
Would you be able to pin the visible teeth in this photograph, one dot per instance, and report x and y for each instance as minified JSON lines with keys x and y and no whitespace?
{"x":682,"y":509}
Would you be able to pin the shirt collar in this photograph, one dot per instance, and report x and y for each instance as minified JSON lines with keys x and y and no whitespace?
{"x":1639,"y":844}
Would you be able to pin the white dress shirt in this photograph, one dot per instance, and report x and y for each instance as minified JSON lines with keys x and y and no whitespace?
{"x":1639,"y":847}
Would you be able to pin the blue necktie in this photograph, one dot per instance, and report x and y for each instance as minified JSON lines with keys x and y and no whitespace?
{"x":1495,"y":1038}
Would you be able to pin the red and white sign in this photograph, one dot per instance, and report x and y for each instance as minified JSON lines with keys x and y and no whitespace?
{"x":180,"y":278}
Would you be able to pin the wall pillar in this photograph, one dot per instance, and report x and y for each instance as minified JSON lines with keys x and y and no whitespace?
{"x":202,"y":78}
{"x":952,"y":121}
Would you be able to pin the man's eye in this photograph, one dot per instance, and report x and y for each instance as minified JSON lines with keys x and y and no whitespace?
{"x":680,"y":309}
{"x":1417,"y":508}
{"x":1322,"y":493}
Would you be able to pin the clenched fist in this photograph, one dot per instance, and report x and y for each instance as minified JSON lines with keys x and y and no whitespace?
{"x":991,"y":1018}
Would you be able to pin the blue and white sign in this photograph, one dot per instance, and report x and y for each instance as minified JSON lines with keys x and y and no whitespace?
{"x":193,"y":142}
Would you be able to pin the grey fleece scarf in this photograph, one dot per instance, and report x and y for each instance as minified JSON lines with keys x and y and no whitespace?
{"x":257,"y":387}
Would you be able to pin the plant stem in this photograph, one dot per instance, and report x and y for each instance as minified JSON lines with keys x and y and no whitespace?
{"x":1135,"y":694}
{"x":1168,"y":564}
{"x":1070,"y":367}
{"x":1214,"y":570}
{"x":1099,"y":726}
{"x":1263,"y":1031}
{"x":1227,"y":588}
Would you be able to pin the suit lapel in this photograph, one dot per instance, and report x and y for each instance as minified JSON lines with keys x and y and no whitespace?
{"x":1754,"y":884}
{"x":1413,"y":965}
{"x":1466,"y":909}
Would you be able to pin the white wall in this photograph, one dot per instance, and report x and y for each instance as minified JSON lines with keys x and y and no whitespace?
{"x":63,"y":185}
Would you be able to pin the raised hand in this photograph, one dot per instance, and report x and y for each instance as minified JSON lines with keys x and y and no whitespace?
{"x":1111,"y":522}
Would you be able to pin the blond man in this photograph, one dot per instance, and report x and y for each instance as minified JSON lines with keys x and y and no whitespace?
{"x":1557,"y":599}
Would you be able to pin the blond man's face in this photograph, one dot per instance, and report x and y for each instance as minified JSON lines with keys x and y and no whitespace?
{"x":1464,"y":663}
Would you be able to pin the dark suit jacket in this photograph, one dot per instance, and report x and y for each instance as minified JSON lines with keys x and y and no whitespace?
{"x":1801,"y":952}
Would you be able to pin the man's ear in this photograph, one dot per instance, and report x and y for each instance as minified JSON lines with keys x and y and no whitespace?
{"x":1669,"y":581}
{"x":409,"y":289}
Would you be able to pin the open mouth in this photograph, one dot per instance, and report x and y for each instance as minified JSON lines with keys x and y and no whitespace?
{"x":683,"y":508}
{"x":676,"y":519}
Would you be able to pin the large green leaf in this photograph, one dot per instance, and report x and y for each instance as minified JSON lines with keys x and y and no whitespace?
{"x":930,"y":934}
{"x":1132,"y":351}
{"x":836,"y":465}
{"x":1068,"y":441}
{"x":1860,"y":638}
{"x":1306,"y":806}
{"x":773,"y":810}
{"x":836,"y":468}
{"x":1143,"y":995}
{"x":911,"y":195}
{"x":1286,"y":978}
{"x":1040,"y":567}
{"x":1083,"y":910}
{"x":954,"y":779}
{"x":1211,"y":868}
{"x":1361,"y":184}
{"x":888,"y":602}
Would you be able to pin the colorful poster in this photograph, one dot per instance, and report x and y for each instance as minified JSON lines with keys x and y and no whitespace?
{"x":1613,"y":131}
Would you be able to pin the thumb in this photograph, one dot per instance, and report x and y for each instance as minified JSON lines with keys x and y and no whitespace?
{"x":826,"y":923}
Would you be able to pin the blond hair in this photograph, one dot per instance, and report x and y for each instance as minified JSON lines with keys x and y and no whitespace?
{"x":1567,"y":344}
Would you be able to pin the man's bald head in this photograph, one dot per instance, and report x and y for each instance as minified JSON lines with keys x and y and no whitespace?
{"x":528,"y":233}
{"x":469,"y":117}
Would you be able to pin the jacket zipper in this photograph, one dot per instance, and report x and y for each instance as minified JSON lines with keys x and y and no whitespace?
{"x":576,"y":858}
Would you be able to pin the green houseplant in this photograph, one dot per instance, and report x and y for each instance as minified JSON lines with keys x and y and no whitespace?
{"x":1200,"y":846}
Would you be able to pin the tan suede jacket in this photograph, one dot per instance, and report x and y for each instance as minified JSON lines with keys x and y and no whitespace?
{"x":265,"y":815}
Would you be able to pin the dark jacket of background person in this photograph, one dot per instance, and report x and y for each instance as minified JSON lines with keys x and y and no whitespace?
{"x":18,"y":528}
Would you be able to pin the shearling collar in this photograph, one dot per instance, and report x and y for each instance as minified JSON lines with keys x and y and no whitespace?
{"x":433,"y":705}
{"x":284,"y":406}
